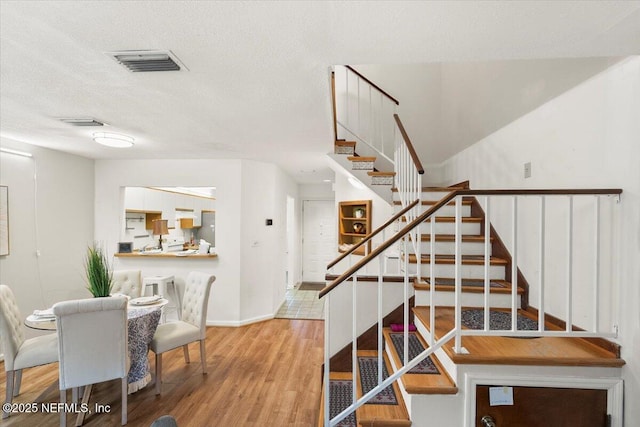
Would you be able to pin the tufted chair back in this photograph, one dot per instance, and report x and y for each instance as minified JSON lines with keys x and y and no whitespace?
{"x":92,"y":340}
{"x":10,"y":326}
{"x":127,"y":282}
{"x":196,"y":299}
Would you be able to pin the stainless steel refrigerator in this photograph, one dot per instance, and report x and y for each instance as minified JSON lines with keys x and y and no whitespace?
{"x":207,"y":230}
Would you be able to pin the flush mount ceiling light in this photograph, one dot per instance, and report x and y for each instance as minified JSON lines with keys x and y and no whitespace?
{"x":115,"y":140}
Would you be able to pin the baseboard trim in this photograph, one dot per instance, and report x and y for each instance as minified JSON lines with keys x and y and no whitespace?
{"x":238,"y":323}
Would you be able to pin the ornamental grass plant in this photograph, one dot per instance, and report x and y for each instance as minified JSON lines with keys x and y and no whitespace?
{"x":99,"y":274}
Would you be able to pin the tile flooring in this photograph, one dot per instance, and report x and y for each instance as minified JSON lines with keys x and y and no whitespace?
{"x":301,"y":305}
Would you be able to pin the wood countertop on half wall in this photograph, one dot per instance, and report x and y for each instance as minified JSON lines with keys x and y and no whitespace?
{"x":164,"y":255}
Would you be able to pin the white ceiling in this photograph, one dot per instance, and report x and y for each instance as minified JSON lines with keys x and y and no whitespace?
{"x":257,"y":84}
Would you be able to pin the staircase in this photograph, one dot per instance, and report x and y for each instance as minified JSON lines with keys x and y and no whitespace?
{"x":365,"y":168}
{"x":457,"y":297}
{"x":471,"y":270}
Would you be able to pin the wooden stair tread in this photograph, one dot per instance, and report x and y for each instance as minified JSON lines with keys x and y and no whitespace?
{"x":381,"y":414}
{"x":466,"y":202}
{"x":452,"y":238}
{"x":503,"y":287}
{"x":343,"y":143}
{"x":332,"y":376}
{"x":473,"y":219}
{"x":379,"y":173}
{"x":361,"y":159}
{"x":544,"y":351}
{"x":434,"y":189}
{"x":422,"y":383}
{"x":450,"y":259}
{"x":367,"y":278}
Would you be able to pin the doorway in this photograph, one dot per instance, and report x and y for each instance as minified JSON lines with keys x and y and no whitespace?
{"x":543,"y":406}
{"x":319,"y":238}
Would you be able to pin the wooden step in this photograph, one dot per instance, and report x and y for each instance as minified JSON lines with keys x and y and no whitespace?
{"x":420,"y":383}
{"x":543,"y":351}
{"x":450,"y":259}
{"x":361,"y":159}
{"x":442,"y":189}
{"x":381,"y":174}
{"x":452,"y":219}
{"x":339,"y":376}
{"x":467,"y":202}
{"x":343,"y":143}
{"x":367,"y":278}
{"x":381,"y":414}
{"x":446,"y":284}
{"x":466,"y":238}
{"x":344,"y":147}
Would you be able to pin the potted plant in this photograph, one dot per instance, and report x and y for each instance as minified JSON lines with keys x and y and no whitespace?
{"x":99,"y":275}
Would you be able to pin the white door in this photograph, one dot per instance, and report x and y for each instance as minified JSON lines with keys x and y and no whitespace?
{"x":319,"y":238}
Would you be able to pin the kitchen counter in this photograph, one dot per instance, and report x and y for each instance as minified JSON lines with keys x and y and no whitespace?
{"x":164,"y":255}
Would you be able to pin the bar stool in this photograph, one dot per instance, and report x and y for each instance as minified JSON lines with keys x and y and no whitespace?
{"x":165,"y":286}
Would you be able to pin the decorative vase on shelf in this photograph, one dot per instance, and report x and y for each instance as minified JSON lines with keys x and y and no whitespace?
{"x":358,"y":227}
{"x":358,"y":213}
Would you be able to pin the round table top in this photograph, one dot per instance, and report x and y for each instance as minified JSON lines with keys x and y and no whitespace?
{"x":134,"y":310}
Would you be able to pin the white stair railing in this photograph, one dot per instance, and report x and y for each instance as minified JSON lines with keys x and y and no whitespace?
{"x":364,"y":111}
{"x":500,"y":206}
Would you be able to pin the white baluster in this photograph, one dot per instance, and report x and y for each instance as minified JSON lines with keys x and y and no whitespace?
{"x":487,"y":259}
{"x":541,"y":264}
{"x":569,"y":295}
{"x":514,"y":264}
{"x":596,"y":265}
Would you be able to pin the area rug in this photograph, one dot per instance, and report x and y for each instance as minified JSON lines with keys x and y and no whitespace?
{"x":341,"y":396}
{"x":312,"y":286}
{"x":415,"y":348}
{"x":498,"y":320}
{"x":369,"y":380}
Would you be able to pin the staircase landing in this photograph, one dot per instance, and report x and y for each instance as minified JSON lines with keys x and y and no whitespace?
{"x":544,"y":351}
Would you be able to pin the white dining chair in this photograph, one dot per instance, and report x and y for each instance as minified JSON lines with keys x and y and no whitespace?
{"x":192,"y":326}
{"x":92,"y":345}
{"x":127,"y":282}
{"x":20,"y":353}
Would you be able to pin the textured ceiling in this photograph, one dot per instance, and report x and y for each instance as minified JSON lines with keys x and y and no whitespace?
{"x":257,"y":84}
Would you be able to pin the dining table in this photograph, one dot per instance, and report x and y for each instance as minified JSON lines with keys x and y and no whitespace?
{"x":142,"y":322}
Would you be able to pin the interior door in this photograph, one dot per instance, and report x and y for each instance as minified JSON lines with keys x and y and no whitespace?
{"x":545,"y":406}
{"x":319,"y":238}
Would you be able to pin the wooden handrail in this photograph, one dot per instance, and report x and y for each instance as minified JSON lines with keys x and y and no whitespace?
{"x":371,"y":235}
{"x":407,"y":141}
{"x":373,"y":84}
{"x":333,"y":104}
{"x":446,"y":199}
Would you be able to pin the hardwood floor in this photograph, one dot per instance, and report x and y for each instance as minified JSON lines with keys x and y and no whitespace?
{"x":265,"y":374}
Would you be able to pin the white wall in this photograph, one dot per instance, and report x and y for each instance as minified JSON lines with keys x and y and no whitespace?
{"x":263,"y":248}
{"x":51,"y":209}
{"x":322,"y":191}
{"x":446,"y":107}
{"x":246,"y":194}
{"x":585,"y":138}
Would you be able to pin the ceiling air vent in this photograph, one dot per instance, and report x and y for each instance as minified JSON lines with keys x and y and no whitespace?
{"x":81,"y":121}
{"x":139,"y":61}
